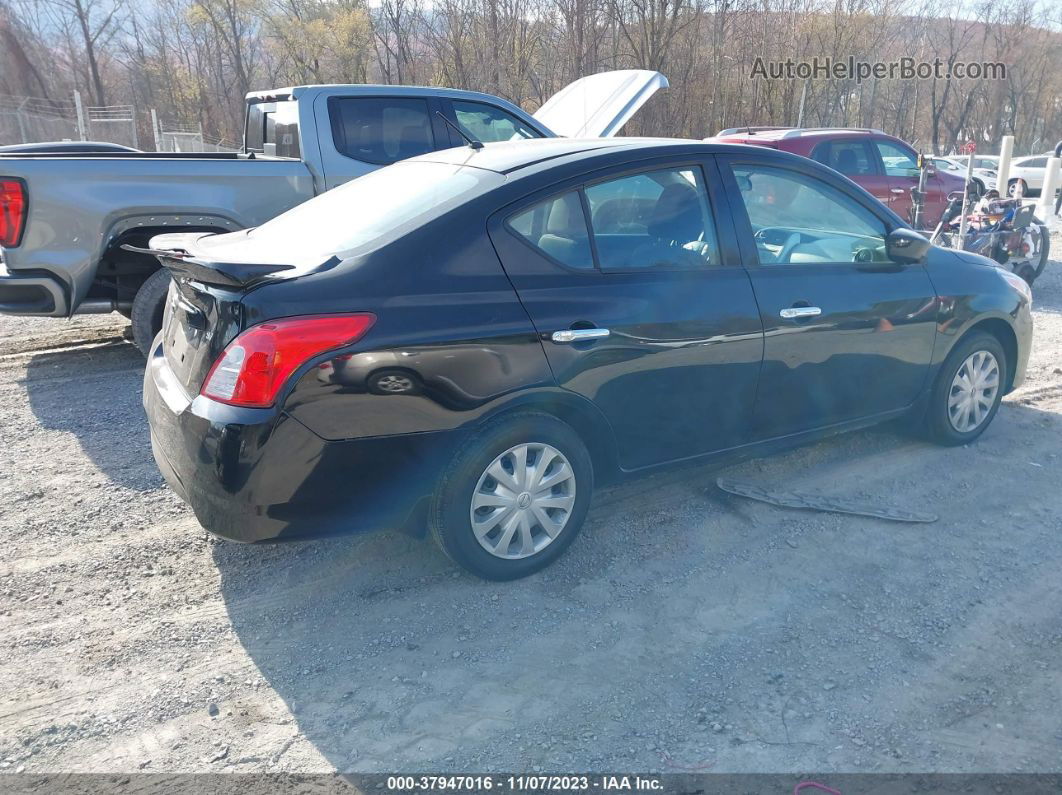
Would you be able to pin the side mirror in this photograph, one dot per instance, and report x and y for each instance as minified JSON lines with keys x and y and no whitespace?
{"x":906,"y":246}
{"x":743,"y":182}
{"x":931,"y":170}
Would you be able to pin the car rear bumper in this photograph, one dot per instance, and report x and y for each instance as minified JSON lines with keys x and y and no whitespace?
{"x":258,"y":474}
{"x":33,"y":293}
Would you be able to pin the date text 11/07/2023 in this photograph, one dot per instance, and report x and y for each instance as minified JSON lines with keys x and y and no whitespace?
{"x":523,"y":783}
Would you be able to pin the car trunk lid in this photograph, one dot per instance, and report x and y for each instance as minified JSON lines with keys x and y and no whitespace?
{"x":204,"y":308}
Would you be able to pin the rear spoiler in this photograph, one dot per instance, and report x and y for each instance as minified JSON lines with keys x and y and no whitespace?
{"x":228,"y":274}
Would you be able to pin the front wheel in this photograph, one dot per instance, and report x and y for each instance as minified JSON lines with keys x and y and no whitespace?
{"x":968,"y":390}
{"x":514,"y":497}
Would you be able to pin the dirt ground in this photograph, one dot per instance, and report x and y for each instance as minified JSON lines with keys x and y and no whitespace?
{"x":684,"y":630}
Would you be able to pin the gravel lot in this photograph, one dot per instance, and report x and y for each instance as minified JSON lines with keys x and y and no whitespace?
{"x":685,"y":629}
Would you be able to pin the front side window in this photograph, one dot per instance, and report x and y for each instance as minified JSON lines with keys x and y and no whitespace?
{"x":489,"y":124}
{"x":380,"y":130}
{"x":1034,"y":162}
{"x":798,"y":219}
{"x":898,"y":161}
{"x":652,"y":220}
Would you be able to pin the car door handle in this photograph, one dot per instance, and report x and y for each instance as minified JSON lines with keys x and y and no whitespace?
{"x":579,"y":334}
{"x":898,"y":191}
{"x":791,"y":312}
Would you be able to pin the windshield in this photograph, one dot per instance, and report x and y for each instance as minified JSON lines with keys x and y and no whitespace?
{"x":353,"y":217}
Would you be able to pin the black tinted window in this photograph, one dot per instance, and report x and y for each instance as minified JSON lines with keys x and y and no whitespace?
{"x":380,"y":130}
{"x":557,"y":228}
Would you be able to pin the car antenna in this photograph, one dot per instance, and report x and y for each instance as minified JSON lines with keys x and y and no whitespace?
{"x":472,"y":142}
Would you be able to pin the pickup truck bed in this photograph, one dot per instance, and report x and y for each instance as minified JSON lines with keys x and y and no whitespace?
{"x":81,"y":208}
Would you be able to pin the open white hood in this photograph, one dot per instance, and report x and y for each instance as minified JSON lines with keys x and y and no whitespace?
{"x":597,"y":106}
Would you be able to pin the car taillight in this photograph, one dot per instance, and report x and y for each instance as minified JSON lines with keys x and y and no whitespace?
{"x":254,"y":366}
{"x":12,"y":211}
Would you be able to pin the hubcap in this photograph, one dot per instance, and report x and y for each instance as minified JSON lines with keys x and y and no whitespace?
{"x":523,"y":501}
{"x":394,"y":383}
{"x":973,"y":391}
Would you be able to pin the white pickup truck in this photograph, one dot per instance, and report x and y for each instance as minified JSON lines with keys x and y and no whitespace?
{"x":64,"y":218}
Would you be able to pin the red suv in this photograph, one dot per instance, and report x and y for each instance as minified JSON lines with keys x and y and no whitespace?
{"x":882,"y":165}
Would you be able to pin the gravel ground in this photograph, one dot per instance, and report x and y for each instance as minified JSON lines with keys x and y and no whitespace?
{"x":684,"y":630}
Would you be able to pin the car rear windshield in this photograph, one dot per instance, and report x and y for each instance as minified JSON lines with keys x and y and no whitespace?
{"x":361,"y":214}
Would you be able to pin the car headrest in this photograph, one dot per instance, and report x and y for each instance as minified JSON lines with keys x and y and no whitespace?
{"x":677,"y":215}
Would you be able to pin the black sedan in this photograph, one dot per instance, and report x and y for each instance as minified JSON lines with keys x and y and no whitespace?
{"x":469,"y":342}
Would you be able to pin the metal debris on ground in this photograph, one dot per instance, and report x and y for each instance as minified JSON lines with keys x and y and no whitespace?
{"x":820,"y":502}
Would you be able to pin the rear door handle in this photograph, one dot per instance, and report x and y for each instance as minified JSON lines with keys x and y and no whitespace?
{"x":579,"y":334}
{"x":791,"y":312}
{"x":899,"y":191}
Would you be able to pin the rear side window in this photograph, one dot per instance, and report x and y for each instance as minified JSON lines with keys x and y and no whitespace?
{"x":557,"y":228}
{"x":380,"y":130}
{"x":1036,"y":162}
{"x":851,"y":158}
{"x":273,"y":128}
{"x":488,"y":123}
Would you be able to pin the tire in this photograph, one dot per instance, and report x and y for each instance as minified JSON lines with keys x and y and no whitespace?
{"x":451,"y":514}
{"x":978,"y":188}
{"x":940,"y":426}
{"x":393,"y":382}
{"x":1024,"y":188}
{"x":1045,"y":249}
{"x":148,"y":306}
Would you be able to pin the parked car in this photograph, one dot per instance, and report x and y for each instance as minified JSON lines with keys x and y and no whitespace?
{"x":984,"y":179}
{"x":1028,"y":174}
{"x":986,"y":162}
{"x":545,"y":331}
{"x":64,"y":147}
{"x":64,"y":218}
{"x":883,"y":165}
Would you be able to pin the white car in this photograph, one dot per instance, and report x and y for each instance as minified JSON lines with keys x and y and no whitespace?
{"x":984,"y":176}
{"x":1029,"y":173}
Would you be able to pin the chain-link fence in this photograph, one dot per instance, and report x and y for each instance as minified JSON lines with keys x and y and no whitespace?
{"x":190,"y":139}
{"x":115,"y":124}
{"x":26,"y":120}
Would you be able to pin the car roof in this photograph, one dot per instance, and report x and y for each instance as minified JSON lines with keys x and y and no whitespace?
{"x":780,"y":133}
{"x":369,"y":89}
{"x":509,"y":156}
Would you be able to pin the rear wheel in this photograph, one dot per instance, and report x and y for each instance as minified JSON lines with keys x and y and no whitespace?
{"x":148,"y":306}
{"x":968,"y":390}
{"x":1013,"y":186}
{"x":514,"y":497}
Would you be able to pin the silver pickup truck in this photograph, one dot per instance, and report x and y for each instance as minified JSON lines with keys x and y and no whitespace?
{"x":64,"y":218}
